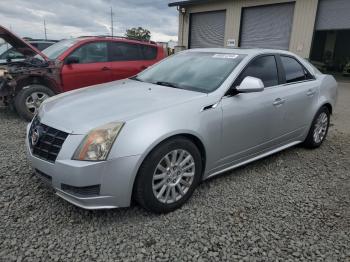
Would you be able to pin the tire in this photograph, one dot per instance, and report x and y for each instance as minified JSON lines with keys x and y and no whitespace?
{"x":33,"y":95}
{"x":147,"y":186}
{"x":312,"y":140}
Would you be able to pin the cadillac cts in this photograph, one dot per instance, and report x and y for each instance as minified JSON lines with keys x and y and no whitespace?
{"x":155,"y":136}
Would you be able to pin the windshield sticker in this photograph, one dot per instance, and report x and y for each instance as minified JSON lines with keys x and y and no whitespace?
{"x":225,"y":56}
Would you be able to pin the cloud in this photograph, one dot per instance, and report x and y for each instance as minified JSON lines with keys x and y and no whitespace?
{"x":72,"y":18}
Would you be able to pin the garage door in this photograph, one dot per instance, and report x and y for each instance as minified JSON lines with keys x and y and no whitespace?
{"x":207,"y":29}
{"x":267,"y":26}
{"x":333,"y":15}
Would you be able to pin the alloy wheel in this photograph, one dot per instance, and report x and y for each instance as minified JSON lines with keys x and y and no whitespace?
{"x":321,"y":127}
{"x":173,"y":176}
{"x":34,"y":101}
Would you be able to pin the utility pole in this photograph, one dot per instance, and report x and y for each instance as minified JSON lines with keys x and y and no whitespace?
{"x":45,"y":29}
{"x":112,"y":22}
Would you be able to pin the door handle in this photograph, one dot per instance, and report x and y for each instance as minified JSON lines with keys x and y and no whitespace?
{"x":105,"y":68}
{"x":279,"y":101}
{"x":310,"y":92}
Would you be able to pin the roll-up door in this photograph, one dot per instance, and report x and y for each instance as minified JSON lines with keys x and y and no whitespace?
{"x":207,"y":29}
{"x":333,"y":15}
{"x":267,"y":26}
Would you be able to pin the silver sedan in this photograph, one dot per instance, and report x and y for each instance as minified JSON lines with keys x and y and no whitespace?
{"x":154,"y":137}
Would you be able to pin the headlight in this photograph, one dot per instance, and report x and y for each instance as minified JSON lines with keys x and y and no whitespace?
{"x":98,"y":142}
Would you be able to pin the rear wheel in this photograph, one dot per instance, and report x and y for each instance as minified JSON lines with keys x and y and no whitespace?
{"x":168,"y":176}
{"x":29,"y":99}
{"x":319,"y":129}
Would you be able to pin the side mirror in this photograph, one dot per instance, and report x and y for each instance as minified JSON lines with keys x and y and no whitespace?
{"x":72,"y":60}
{"x":250,"y":85}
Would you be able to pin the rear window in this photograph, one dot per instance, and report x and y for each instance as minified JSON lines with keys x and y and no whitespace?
{"x":149,"y":52}
{"x":294,"y":70}
{"x":119,"y":51}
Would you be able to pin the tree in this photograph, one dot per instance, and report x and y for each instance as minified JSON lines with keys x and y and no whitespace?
{"x":138,"y":34}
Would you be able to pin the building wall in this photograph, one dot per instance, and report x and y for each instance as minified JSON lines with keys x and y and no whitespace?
{"x":302,"y":30}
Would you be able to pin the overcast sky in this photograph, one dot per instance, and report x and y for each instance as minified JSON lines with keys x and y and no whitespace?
{"x":71,"y":18}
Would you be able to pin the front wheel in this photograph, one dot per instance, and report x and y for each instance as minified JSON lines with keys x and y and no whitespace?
{"x":29,"y":99}
{"x":319,"y":129}
{"x":168,"y":176}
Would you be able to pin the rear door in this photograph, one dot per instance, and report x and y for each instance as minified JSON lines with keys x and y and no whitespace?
{"x":300,"y":95}
{"x":126,"y":59}
{"x":92,"y":68}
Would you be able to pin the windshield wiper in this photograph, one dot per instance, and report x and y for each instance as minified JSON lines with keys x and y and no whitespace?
{"x":163,"y":83}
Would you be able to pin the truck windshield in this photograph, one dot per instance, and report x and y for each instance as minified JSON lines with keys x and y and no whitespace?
{"x":195,"y":71}
{"x":54,"y":51}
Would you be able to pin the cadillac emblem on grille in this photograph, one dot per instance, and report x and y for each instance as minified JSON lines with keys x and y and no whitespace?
{"x":35,"y":136}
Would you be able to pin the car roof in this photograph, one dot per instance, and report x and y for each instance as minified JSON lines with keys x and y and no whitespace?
{"x":115,"y":38}
{"x":240,"y":51}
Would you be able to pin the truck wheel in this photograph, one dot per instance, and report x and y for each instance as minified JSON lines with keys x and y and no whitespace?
{"x":29,"y":99}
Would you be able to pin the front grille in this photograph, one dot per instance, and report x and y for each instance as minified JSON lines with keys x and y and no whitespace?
{"x":49,"y":140}
{"x":86,"y":191}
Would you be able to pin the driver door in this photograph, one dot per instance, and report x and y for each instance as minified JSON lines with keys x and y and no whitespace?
{"x":92,"y":68}
{"x":251,"y":120}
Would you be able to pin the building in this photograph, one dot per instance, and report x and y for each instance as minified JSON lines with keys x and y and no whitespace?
{"x":169,"y":46}
{"x":314,"y":29}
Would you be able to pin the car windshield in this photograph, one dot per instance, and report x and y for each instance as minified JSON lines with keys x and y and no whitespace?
{"x":195,"y":71}
{"x":54,"y":51}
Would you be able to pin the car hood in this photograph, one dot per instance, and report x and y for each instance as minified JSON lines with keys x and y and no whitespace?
{"x":81,"y":110}
{"x":19,"y":44}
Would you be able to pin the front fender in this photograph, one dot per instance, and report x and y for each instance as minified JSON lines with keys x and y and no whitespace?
{"x":139,"y":136}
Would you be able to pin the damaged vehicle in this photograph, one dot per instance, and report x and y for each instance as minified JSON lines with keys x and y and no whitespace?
{"x":26,"y":83}
{"x":69,"y":64}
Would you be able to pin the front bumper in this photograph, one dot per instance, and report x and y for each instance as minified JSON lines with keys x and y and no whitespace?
{"x":113,"y":178}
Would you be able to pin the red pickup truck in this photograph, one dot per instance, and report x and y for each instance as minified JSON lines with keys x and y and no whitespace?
{"x":69,"y":64}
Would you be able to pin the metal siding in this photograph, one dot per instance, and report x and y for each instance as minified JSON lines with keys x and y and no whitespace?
{"x":333,"y":14}
{"x":208,"y":29}
{"x":267,"y":26}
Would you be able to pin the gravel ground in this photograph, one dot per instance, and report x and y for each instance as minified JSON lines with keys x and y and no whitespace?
{"x":292,"y":206}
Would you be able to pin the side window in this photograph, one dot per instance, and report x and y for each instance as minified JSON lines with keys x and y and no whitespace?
{"x":124,"y":52}
{"x":264,"y":68}
{"x":94,"y":52}
{"x":294,"y":70}
{"x":149,"y":52}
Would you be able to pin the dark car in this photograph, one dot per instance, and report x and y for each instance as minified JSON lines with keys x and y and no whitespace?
{"x":10,"y":54}
{"x":68,"y":65}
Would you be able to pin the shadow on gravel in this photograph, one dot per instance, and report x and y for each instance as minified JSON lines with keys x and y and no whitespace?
{"x":8,"y":113}
{"x":261,"y":163}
